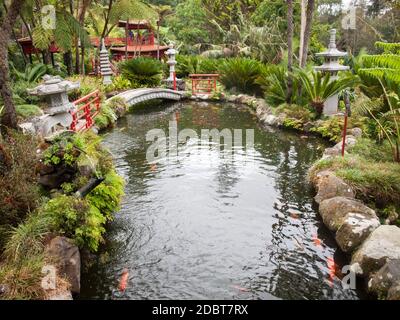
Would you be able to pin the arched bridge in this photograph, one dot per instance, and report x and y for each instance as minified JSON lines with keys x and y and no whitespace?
{"x":136,"y":96}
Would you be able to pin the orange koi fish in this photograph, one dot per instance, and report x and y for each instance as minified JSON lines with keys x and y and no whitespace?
{"x":332,"y":267}
{"x":317,"y":241}
{"x":241,"y":289}
{"x":124,"y":280}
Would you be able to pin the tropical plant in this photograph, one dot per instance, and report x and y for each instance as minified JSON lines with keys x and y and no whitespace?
{"x":31,"y":74}
{"x":273,"y":80}
{"x":240,"y":74}
{"x":143,"y":71}
{"x":319,"y":87}
{"x":387,"y":121}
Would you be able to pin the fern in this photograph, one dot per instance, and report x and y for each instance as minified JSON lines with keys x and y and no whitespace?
{"x":41,"y":37}
{"x":388,"y":47}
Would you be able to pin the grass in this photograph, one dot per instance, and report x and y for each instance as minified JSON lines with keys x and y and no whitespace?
{"x":23,"y":280}
{"x":26,"y":111}
{"x":369,"y":169}
{"x":23,"y":259}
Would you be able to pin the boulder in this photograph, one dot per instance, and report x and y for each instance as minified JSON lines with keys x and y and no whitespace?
{"x":382,"y":245}
{"x":355,"y":229}
{"x":334,"y":211}
{"x":356,"y":132}
{"x":385,"y":278}
{"x":394,"y":292}
{"x":68,"y":260}
{"x":61,"y":295}
{"x":331,"y":152}
{"x":350,"y":141}
{"x":262,"y":104}
{"x":269,"y":119}
{"x":231,"y":98}
{"x":329,"y":186}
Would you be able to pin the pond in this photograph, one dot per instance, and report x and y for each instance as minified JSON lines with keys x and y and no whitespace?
{"x":212,"y":225}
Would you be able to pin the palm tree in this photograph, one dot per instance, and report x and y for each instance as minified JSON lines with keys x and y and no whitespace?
{"x":162,"y":12}
{"x":290,"y":49}
{"x":319,"y":87}
{"x":9,"y":117}
{"x":307,"y":31}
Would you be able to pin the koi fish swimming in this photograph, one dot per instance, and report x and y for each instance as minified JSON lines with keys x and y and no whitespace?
{"x":317,"y":241}
{"x":124,"y":280}
{"x":332,"y":267}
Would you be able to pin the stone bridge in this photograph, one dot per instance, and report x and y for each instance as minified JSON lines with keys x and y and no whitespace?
{"x":136,"y":96}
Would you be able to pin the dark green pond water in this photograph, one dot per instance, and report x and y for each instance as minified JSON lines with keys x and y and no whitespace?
{"x":211,"y":226}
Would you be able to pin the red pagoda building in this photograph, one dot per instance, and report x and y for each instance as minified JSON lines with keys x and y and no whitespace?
{"x":139,"y":40}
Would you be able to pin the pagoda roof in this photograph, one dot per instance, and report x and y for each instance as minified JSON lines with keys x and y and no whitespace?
{"x":143,"y":48}
{"x":332,"y":52}
{"x":135,"y":24}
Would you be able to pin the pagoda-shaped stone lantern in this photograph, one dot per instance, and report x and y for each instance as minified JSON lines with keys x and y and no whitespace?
{"x":54,"y":90}
{"x":171,"y":54}
{"x":105,"y":67}
{"x":332,"y":65}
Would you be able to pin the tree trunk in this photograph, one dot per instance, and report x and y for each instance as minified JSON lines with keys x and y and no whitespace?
{"x":81,"y":18}
{"x":9,"y":116}
{"x":103,"y":34}
{"x":289,"y":92}
{"x":307,"y":31}
{"x":126,"y":39}
{"x":68,"y":61}
{"x":302,"y":27}
{"x":158,"y":39}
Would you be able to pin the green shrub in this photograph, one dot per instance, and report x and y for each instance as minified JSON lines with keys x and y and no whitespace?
{"x":88,"y":85}
{"x":119,"y":83}
{"x":240,"y":75}
{"x":143,"y":71}
{"x":106,"y":117}
{"x":64,"y":151}
{"x":26,"y":111}
{"x":107,"y":196}
{"x":76,"y":219}
{"x":118,"y":105}
{"x":331,"y":128}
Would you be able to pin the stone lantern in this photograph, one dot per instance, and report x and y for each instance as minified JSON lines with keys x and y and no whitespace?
{"x":332,"y":65}
{"x":54,"y":90}
{"x":105,"y":68}
{"x":171,"y":54}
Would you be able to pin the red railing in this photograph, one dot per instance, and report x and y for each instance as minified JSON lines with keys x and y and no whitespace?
{"x":204,"y":83}
{"x":87,"y":108}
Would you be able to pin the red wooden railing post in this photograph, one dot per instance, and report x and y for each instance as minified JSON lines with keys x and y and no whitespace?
{"x":174,"y":81}
{"x":346,"y":114}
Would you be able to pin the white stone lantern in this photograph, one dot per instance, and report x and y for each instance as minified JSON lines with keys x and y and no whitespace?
{"x":171,"y":54}
{"x":105,"y":68}
{"x":54,"y":90}
{"x":332,"y":66}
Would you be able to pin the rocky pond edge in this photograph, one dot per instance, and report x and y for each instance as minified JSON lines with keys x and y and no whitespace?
{"x":374,"y":248}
